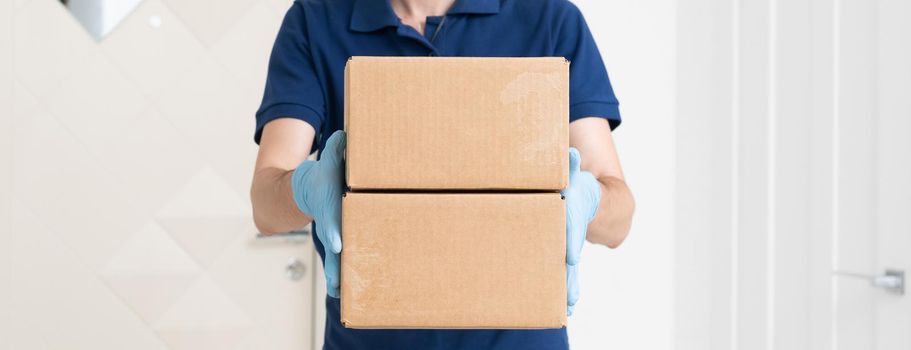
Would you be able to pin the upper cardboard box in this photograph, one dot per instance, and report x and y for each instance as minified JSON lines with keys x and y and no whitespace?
{"x":459,"y":123}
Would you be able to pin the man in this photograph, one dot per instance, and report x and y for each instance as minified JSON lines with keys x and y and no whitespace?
{"x":302,"y":109}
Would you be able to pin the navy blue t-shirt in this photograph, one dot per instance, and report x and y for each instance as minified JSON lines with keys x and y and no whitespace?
{"x":306,"y":77}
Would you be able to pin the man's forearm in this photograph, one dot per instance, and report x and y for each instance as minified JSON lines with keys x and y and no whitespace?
{"x":615,"y":213}
{"x":274,"y":210}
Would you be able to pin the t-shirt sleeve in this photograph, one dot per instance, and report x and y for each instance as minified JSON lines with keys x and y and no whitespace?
{"x":293,"y":89}
{"x":590,"y":91}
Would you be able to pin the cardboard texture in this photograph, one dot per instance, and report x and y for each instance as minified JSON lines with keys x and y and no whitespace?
{"x":453,"y":260}
{"x":459,"y":123}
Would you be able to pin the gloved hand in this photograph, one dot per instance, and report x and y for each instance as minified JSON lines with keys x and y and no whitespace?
{"x":582,"y":198}
{"x":317,"y":187}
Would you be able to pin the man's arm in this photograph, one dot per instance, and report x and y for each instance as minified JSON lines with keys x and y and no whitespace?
{"x":592,"y":137}
{"x":285,"y":143}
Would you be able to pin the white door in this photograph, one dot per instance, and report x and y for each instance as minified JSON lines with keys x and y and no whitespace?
{"x":794,"y":174}
{"x":132,"y":159}
{"x":872,"y":192}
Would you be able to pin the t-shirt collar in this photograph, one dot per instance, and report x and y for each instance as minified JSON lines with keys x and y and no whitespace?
{"x":370,"y":15}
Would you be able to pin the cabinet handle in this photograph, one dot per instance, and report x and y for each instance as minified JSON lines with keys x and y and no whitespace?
{"x":295,"y":270}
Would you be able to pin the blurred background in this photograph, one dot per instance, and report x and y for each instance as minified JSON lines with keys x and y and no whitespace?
{"x":765,"y":141}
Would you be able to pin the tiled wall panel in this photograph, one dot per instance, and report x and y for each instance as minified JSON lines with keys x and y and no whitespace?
{"x":131,"y":225}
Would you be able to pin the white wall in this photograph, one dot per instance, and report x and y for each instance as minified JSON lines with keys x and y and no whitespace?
{"x":627,"y":293}
{"x":6,"y":115}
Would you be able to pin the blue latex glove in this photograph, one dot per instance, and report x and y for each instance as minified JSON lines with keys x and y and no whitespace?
{"x":317,"y":187}
{"x":582,"y":198}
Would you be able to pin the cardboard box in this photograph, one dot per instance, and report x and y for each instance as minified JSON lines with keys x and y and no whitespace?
{"x":453,"y":260}
{"x":457,"y":123}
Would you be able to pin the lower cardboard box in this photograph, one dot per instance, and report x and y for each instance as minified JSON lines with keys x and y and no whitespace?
{"x":453,"y":260}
